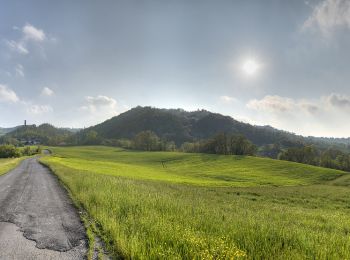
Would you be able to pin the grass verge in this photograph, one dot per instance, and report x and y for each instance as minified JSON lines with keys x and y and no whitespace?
{"x":8,"y":164}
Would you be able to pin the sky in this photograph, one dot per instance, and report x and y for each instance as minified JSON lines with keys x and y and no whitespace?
{"x":273,"y":62}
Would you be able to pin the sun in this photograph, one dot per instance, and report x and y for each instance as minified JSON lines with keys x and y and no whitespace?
{"x":250,"y":67}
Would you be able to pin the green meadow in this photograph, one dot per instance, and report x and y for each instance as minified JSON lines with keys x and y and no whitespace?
{"x":8,"y":164}
{"x":167,"y":205}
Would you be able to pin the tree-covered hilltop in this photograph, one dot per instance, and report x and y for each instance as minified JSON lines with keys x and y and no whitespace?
{"x":181,"y":126}
{"x":32,"y":134}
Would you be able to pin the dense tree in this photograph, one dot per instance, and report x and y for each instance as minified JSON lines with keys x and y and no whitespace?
{"x":222,"y":144}
{"x":329,"y":158}
{"x":147,"y":141}
{"x":343,"y":162}
{"x":91,"y":137}
{"x":333,"y":158}
{"x":9,"y":151}
{"x":306,"y":154}
{"x":241,"y":146}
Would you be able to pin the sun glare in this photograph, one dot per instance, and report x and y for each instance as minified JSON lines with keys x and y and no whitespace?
{"x":250,"y":67}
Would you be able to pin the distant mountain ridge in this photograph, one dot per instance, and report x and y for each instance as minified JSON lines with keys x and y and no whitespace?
{"x":180,"y":126}
{"x":5,"y":130}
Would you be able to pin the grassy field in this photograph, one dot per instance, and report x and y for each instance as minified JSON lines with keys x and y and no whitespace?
{"x":8,"y":164}
{"x":159,"y":205}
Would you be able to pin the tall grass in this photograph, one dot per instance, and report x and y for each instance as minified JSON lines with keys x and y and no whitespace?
{"x":144,"y":218}
{"x":8,"y":164}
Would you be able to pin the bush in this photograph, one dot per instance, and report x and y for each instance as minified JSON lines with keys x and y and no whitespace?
{"x":29,"y":151}
{"x":9,"y":151}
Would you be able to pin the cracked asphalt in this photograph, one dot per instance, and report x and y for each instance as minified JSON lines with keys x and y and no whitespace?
{"x":37,"y":218}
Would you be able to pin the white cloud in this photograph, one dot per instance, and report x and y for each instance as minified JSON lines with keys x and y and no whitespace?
{"x":272,"y":104}
{"x":278,"y":104}
{"x":29,"y":34}
{"x":309,"y":107}
{"x":323,"y":116}
{"x":7,"y":95}
{"x":32,"y":33}
{"x":339,"y":101}
{"x":97,"y":109}
{"x":329,"y":15}
{"x":47,"y":92}
{"x":38,"y":109}
{"x":94,"y":104}
{"x":34,"y":109}
{"x":227,"y":99}
{"x":17,"y":46}
{"x":19,"y":70}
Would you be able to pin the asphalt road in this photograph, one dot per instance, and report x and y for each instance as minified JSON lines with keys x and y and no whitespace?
{"x":37,"y":218}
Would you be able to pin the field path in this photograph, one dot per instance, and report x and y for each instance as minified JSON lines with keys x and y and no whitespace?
{"x":37,"y":218}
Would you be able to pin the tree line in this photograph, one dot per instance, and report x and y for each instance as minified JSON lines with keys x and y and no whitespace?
{"x":309,"y":154}
{"x":229,"y":144}
{"x":144,"y":141}
{"x":149,"y":141}
{"x":222,"y":143}
{"x":11,"y":151}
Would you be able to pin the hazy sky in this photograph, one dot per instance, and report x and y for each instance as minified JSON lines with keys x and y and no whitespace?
{"x":77,"y":63}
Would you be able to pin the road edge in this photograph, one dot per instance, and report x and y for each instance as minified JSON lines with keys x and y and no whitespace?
{"x":96,"y":247}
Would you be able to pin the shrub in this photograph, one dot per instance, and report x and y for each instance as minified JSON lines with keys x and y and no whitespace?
{"x":29,"y":151}
{"x":9,"y":151}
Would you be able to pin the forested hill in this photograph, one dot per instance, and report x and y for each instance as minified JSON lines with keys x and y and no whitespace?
{"x":45,"y":134}
{"x":181,"y":126}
